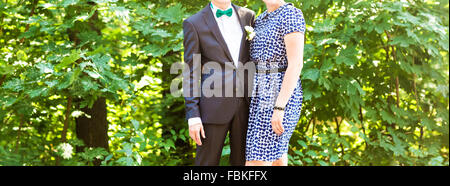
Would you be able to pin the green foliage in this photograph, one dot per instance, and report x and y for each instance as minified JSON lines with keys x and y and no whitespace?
{"x":355,"y":51}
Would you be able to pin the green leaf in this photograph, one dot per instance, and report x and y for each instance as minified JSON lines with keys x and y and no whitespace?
{"x":136,"y":139}
{"x":127,"y":148}
{"x":386,"y":116}
{"x":108,"y":157}
{"x":172,"y":14}
{"x":393,"y":6}
{"x":381,"y":27}
{"x":135,"y":124}
{"x":310,"y":90}
{"x":65,"y":81}
{"x":346,"y":157}
{"x":311,"y":74}
{"x":406,"y":16}
{"x":429,"y":123}
{"x":299,"y":153}
{"x":30,"y":33}
{"x":326,"y":26}
{"x":146,"y":27}
{"x":313,"y":4}
{"x":347,"y":56}
{"x":21,"y":55}
{"x":311,"y":153}
{"x":327,"y":65}
{"x":75,"y":75}
{"x":436,"y":161}
{"x":402,"y":41}
{"x":101,"y":62}
{"x":325,"y":82}
{"x":83,"y":65}
{"x":6,"y":70}
{"x":168,"y":144}
{"x":88,"y":84}
{"x":41,"y":91}
{"x":354,"y":129}
{"x":119,"y":134}
{"x":302,"y":143}
{"x":334,"y":158}
{"x":66,"y":3}
{"x":45,"y":68}
{"x":93,"y":74}
{"x":161,"y":33}
{"x":155,"y":50}
{"x":309,"y":160}
{"x":14,"y":84}
{"x":351,"y":89}
{"x":122,"y":13}
{"x":104,"y":1}
{"x":298,"y":162}
{"x":75,"y":55}
{"x":183,"y":137}
{"x":9,"y":101}
{"x":322,"y":163}
{"x":326,"y":41}
{"x":89,"y":36}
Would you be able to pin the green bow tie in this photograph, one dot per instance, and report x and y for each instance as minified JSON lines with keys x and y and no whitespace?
{"x":220,"y":13}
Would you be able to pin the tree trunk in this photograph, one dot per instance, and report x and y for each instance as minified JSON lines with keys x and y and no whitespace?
{"x":93,"y":131}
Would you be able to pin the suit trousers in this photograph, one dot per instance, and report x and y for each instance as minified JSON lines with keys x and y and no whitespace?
{"x":209,"y":153}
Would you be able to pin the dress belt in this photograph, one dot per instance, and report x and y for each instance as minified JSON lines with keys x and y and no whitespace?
{"x":268,"y":71}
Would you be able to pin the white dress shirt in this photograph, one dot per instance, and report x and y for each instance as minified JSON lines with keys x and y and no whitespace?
{"x":231,"y":31}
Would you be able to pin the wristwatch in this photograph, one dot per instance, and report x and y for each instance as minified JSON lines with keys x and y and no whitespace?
{"x":278,"y":108}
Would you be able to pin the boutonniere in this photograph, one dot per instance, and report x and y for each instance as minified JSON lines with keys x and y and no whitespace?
{"x":250,"y":32}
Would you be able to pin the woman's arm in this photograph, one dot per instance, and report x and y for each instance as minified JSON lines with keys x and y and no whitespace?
{"x":294,"y":50}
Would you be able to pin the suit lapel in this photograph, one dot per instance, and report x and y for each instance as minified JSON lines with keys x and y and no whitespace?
{"x":240,"y":14}
{"x":214,"y":28}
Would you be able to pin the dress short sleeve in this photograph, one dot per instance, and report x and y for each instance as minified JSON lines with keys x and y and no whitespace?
{"x":293,"y":21}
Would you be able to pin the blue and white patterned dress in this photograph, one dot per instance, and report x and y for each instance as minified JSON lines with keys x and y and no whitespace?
{"x":268,"y":50}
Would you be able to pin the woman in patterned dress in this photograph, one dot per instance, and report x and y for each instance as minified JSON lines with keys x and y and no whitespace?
{"x":277,"y":50}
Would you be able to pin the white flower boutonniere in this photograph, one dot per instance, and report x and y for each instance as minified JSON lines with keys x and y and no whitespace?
{"x":250,"y":32}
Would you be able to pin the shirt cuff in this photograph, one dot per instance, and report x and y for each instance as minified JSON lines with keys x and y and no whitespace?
{"x":195,"y":120}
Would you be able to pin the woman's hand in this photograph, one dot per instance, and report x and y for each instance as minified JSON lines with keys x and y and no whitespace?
{"x":277,"y":122}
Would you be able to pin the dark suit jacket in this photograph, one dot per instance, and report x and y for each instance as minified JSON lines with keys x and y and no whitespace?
{"x":202,"y":36}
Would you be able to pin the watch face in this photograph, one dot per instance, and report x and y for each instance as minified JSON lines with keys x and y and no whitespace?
{"x":278,"y":108}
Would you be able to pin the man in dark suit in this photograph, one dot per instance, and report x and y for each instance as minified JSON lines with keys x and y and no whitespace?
{"x":215,"y":43}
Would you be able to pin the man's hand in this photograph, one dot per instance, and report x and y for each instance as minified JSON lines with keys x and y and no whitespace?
{"x":194,"y":132}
